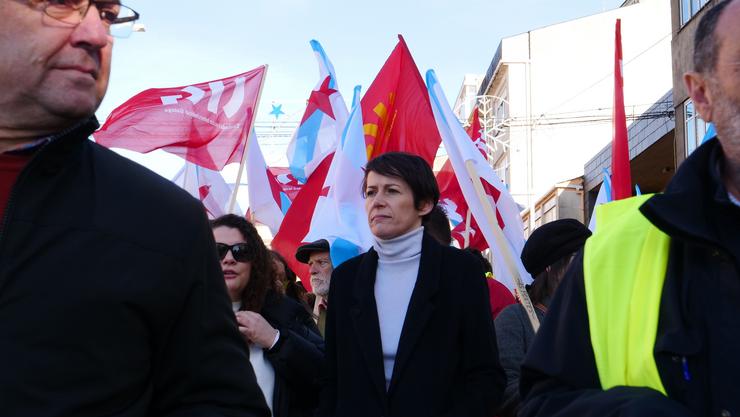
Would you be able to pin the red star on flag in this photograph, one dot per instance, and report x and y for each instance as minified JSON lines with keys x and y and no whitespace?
{"x":319,"y":100}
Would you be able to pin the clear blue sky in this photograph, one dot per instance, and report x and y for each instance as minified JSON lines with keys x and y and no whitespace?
{"x":188,"y":42}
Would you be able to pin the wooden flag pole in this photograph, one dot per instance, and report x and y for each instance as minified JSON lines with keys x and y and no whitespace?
{"x":466,"y":241}
{"x":232,"y":203}
{"x":503,"y":245}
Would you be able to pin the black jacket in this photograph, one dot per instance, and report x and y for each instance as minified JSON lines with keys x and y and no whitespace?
{"x":698,"y":339}
{"x":297,"y":357}
{"x":112,"y":300}
{"x":447,"y":361}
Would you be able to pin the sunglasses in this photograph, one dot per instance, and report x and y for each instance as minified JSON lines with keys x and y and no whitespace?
{"x":239,"y":251}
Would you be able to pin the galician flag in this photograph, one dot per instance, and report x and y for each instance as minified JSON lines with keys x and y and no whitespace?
{"x":467,"y":160}
{"x":322,"y":123}
{"x":206,"y":185}
{"x":339,"y":217}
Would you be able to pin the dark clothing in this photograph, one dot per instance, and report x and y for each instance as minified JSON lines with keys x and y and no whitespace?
{"x":447,"y":361}
{"x":697,"y":339}
{"x":514,"y":336}
{"x":11,"y":165}
{"x":298,"y":357}
{"x":112,"y":299}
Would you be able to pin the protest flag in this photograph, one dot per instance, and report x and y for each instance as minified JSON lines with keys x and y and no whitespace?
{"x":396,"y":112}
{"x":205,"y":123}
{"x":206,"y":185}
{"x":322,"y":122}
{"x":604,"y":196}
{"x":465,"y":229}
{"x":266,"y":196}
{"x":296,"y":222}
{"x":490,"y":203}
{"x":621,"y":178}
{"x":339,"y":217}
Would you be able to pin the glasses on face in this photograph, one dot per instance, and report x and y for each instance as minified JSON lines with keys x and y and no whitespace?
{"x":118,"y":18}
{"x":239,"y":251}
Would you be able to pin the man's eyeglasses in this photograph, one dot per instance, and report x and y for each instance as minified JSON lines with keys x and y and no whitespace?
{"x":119,"y":18}
{"x":240,"y":251}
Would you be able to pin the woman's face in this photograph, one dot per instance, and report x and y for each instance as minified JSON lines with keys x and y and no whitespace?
{"x":236,"y":273}
{"x":389,"y":205}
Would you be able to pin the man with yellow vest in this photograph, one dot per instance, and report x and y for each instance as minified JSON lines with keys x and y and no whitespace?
{"x":647,"y":321}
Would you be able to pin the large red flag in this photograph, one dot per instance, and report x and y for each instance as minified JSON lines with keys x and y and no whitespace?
{"x":451,"y":196}
{"x":204,"y":123}
{"x":396,"y":112}
{"x":621,"y":178}
{"x":297,"y":221}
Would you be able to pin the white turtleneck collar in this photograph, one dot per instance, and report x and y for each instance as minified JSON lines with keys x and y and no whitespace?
{"x":400,"y":248}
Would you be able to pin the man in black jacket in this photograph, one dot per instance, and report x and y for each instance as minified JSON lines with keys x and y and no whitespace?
{"x":112,"y":301}
{"x":696,"y":339}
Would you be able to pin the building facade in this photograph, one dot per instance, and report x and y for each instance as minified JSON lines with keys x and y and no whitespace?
{"x":552,"y":91}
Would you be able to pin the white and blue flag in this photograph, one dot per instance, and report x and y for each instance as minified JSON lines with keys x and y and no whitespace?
{"x":322,"y":122}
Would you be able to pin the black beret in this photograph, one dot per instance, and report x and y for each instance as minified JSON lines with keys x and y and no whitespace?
{"x":551,"y":242}
{"x":304,"y":251}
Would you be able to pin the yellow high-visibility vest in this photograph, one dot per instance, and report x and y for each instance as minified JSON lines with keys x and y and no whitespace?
{"x":624,"y":265}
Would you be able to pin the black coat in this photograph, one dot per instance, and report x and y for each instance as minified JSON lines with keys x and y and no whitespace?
{"x":698,"y":339}
{"x":112,"y":299}
{"x":447,"y":361}
{"x":298,"y":357}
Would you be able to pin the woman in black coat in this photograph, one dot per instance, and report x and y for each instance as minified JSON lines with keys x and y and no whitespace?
{"x":409,"y":330}
{"x":285,"y":348}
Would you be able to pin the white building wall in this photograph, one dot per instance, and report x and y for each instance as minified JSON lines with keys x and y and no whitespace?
{"x":562,"y":96}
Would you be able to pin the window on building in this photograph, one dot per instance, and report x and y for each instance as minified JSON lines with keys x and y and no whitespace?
{"x":689,"y":8}
{"x":694,"y":127}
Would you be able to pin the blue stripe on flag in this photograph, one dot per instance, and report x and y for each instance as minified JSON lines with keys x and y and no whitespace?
{"x":326,"y":64}
{"x":341,"y":250}
{"x":284,"y":203}
{"x":306,"y":138}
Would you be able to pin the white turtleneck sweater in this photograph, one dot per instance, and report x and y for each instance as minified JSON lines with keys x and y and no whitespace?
{"x":398,"y":267}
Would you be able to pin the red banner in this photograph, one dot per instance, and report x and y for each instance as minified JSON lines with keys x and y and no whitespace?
{"x":396,"y":112}
{"x":204,"y":123}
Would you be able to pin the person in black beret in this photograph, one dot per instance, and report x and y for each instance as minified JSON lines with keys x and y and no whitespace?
{"x":546,"y":256}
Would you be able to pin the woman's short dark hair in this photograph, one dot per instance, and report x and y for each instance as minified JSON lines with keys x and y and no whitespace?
{"x":262,"y":275}
{"x":413,"y":169}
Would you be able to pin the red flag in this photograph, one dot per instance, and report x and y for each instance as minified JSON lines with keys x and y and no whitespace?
{"x":396,"y":112}
{"x":451,"y":197}
{"x":621,"y":178}
{"x":204,"y":123}
{"x":298,"y":219}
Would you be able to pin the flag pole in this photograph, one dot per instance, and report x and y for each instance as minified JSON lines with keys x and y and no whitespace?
{"x":232,"y":203}
{"x":466,"y":241}
{"x":503,"y":245}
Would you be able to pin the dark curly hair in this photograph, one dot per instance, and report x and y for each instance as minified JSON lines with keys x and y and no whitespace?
{"x":262,"y":274}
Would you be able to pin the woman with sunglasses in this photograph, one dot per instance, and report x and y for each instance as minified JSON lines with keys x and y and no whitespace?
{"x":285,"y":348}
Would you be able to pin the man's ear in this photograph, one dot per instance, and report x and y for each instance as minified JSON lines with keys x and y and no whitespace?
{"x":696,"y":86}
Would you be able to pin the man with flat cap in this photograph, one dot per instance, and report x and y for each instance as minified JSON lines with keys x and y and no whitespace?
{"x":316,"y":255}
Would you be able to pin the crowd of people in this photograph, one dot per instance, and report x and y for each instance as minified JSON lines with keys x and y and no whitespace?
{"x":111,"y":307}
